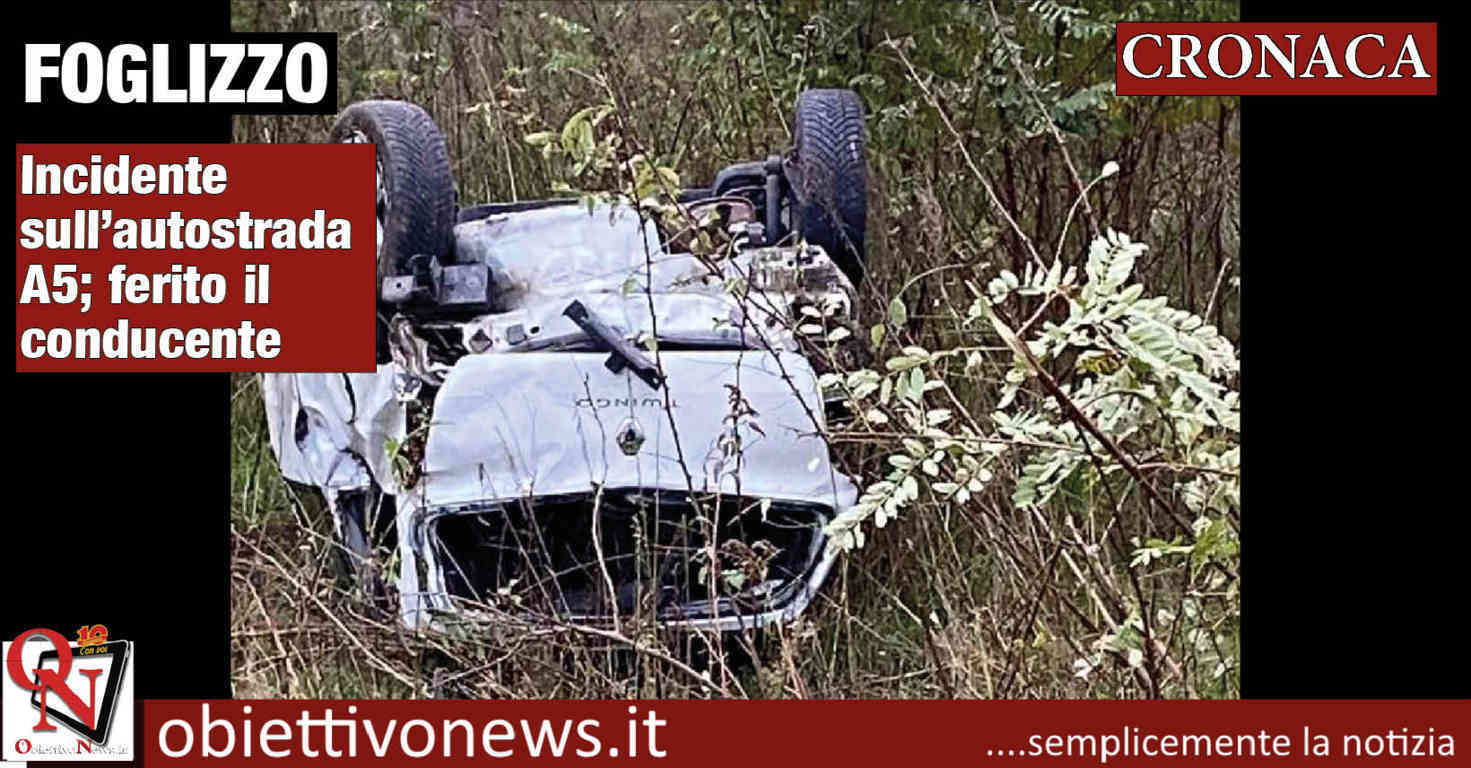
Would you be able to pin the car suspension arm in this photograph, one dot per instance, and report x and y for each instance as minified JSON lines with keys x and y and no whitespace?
{"x":625,"y":354}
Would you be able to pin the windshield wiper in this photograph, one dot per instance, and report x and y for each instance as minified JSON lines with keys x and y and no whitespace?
{"x":625,"y":354}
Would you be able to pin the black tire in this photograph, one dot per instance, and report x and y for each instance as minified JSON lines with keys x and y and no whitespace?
{"x":417,"y":207}
{"x":832,"y":178}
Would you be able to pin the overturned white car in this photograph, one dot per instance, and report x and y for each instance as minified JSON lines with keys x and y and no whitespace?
{"x":570,"y":417}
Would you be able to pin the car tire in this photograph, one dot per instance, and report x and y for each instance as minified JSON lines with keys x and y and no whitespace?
{"x":416,"y":191}
{"x":831,"y":186}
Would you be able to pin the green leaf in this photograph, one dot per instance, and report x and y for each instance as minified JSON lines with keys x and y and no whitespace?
{"x":876,"y":335}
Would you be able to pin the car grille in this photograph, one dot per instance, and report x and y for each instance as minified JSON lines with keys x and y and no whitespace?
{"x":540,"y":553}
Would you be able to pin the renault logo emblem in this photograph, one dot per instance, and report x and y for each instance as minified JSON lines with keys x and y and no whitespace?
{"x":630,"y":437}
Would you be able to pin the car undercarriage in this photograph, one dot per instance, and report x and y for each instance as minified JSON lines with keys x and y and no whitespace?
{"x":573,"y":415}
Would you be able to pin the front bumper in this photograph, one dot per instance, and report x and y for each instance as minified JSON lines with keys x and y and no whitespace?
{"x":581,"y":557}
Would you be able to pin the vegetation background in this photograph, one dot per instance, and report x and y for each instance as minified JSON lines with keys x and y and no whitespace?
{"x":1051,"y":459}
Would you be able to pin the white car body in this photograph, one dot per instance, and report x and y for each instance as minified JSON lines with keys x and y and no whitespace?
{"x":527,"y":415}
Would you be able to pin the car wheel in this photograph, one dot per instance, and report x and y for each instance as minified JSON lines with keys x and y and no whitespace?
{"x":415,"y":190}
{"x":832,"y":178}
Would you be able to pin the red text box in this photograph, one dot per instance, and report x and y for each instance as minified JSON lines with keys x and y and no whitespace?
{"x":321,"y":300}
{"x":1303,"y":59}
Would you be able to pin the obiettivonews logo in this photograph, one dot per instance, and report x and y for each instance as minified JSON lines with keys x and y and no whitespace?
{"x":64,"y":700}
{"x":1277,"y":59}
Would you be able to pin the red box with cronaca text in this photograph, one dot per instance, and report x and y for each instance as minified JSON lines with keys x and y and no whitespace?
{"x":204,"y":257}
{"x":1277,"y":59}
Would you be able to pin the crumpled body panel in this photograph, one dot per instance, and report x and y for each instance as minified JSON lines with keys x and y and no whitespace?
{"x":331,"y":430}
{"x":546,"y":423}
{"x":551,"y":251}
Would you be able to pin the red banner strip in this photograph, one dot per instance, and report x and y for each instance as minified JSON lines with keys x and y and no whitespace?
{"x":901,"y":733}
{"x":1301,"y":59}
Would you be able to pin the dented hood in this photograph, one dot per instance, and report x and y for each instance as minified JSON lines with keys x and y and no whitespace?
{"x":512,"y":425}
